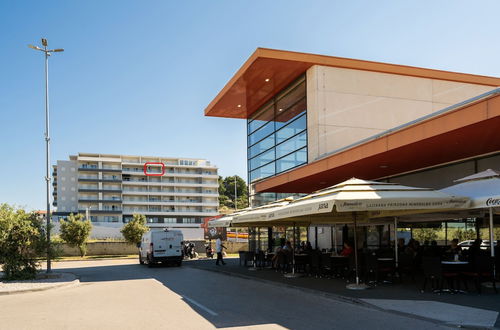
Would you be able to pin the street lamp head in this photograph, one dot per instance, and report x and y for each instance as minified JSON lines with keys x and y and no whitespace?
{"x":34,"y":47}
{"x":58,"y":50}
{"x":44,"y":42}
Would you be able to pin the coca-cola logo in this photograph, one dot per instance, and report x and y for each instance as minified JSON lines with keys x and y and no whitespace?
{"x":493,"y":202}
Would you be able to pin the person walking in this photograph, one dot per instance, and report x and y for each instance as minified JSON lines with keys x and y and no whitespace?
{"x":218,"y":248}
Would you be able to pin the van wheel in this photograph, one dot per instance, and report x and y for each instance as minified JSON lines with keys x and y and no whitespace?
{"x":141,"y":261}
{"x":150,"y":262}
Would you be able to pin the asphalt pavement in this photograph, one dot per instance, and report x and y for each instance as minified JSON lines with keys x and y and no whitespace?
{"x":121,"y":294}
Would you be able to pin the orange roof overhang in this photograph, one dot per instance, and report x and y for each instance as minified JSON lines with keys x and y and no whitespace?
{"x":268,"y":71}
{"x":465,"y":132}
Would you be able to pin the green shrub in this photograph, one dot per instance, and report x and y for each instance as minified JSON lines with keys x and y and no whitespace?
{"x":425,"y":234}
{"x":75,"y":231}
{"x":22,"y":241}
{"x":133,"y":231}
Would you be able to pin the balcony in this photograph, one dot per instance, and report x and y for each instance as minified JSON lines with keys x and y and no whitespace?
{"x":94,"y":212}
{"x":102,"y":169}
{"x":99,"y":190}
{"x":84,"y":200}
{"x":87,"y":179}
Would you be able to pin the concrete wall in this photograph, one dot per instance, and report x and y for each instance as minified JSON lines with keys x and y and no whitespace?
{"x":345,"y":105}
{"x":123,"y":248}
{"x":103,"y":230}
{"x":100,"y":248}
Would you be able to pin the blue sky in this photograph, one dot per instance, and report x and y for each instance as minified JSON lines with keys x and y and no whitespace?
{"x":136,"y":76}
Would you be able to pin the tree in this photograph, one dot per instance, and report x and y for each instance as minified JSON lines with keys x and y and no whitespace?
{"x":463,"y":235}
{"x":133,"y":231}
{"x":75,"y":231}
{"x":425,"y":234}
{"x":22,"y":241}
{"x":226,"y":192}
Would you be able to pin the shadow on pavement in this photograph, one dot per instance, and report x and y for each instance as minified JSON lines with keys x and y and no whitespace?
{"x":232,"y":297}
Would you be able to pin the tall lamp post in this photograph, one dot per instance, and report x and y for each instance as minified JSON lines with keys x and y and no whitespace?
{"x":235,"y":194}
{"x":47,"y":53}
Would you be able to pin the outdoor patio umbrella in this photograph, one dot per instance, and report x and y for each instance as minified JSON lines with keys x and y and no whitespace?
{"x":483,"y":189}
{"x":356,"y":199}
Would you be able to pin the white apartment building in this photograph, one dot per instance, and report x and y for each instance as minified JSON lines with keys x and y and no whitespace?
{"x":174,"y":192}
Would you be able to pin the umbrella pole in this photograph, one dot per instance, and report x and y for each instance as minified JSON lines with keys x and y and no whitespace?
{"x":492,"y":243}
{"x":356,"y":286}
{"x":335,"y":239}
{"x":293,"y":274}
{"x":396,"y":243}
{"x":356,"y":249}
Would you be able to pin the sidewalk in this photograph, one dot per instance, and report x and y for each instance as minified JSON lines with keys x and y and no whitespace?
{"x":54,"y":280}
{"x":469,"y":309}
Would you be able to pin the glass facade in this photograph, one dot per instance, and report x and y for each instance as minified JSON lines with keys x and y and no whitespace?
{"x":277,"y":135}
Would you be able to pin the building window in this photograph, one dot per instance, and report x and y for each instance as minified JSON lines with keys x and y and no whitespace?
{"x":277,"y":133}
{"x":188,"y":220}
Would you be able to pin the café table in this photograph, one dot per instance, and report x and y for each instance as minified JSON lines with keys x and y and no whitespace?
{"x":453,"y":266}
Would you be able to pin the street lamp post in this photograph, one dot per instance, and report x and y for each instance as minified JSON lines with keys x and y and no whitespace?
{"x":47,"y":53}
{"x":235,"y":194}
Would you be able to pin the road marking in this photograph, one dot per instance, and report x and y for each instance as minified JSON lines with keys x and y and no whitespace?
{"x":208,"y":310}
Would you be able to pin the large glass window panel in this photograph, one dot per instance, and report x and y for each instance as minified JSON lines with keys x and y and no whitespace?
{"x":292,"y":160}
{"x":261,"y":146}
{"x":262,"y":159}
{"x":291,"y":103}
{"x":293,"y":144}
{"x":284,"y":117}
{"x":261,"y":117}
{"x":261,"y":133}
{"x":262,"y":172}
{"x":291,"y":129}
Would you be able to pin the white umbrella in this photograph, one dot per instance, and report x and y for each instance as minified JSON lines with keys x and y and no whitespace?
{"x":356,"y":199}
{"x":483,"y":189}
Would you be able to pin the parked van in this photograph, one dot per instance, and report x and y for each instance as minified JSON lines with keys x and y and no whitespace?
{"x":163,"y":246}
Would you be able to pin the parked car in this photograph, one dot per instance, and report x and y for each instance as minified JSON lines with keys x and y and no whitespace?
{"x":465,"y":245}
{"x":486,"y":244}
{"x":163,"y":246}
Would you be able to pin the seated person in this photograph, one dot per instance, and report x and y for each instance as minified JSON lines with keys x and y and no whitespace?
{"x":308,"y":248}
{"x":454,"y":248}
{"x":347,"y":250}
{"x":433,"y":250}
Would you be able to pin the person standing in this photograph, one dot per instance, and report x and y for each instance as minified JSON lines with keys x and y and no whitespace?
{"x":218,"y":248}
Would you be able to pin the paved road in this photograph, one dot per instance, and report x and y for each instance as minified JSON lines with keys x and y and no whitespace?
{"x":120,"y":294}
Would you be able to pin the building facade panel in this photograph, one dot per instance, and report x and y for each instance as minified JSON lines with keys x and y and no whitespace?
{"x":346,"y":105}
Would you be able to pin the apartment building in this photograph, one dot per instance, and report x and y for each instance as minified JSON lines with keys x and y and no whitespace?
{"x":170,"y":192}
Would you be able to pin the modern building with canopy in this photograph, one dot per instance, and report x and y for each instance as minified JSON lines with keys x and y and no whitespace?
{"x":314,"y":121}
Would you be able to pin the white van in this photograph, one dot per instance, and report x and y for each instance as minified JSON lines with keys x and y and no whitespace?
{"x":163,"y":246}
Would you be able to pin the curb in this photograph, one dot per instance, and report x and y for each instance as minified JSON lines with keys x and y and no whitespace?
{"x":75,"y":282}
{"x":340,"y":298}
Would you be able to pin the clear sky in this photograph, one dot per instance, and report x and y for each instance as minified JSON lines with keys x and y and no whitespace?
{"x":136,"y":76}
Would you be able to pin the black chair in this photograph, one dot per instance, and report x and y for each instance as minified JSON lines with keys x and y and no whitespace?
{"x":315,"y":264}
{"x":280,"y":262}
{"x":406,"y":266}
{"x":242,"y":256}
{"x":432,"y":271}
{"x":248,"y":256}
{"x":326,"y":265}
{"x":260,"y":259}
{"x":370,"y":269}
{"x":481,"y":270}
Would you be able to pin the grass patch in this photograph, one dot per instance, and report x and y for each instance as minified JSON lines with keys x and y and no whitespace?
{"x":76,"y":258}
